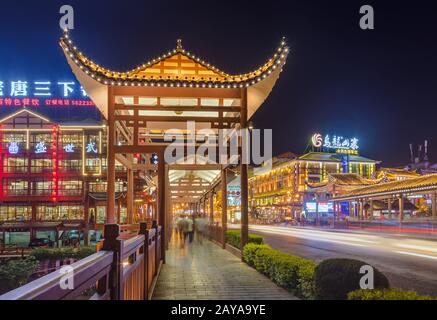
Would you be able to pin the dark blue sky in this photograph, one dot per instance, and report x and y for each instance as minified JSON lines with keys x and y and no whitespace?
{"x":379,"y":85}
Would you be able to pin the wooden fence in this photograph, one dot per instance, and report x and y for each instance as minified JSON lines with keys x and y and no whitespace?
{"x":216,"y":232}
{"x":125,"y":269}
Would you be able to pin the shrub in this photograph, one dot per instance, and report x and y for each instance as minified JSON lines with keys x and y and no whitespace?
{"x":386,"y":294}
{"x":335,"y":278}
{"x":17,"y":271}
{"x":305,"y":277}
{"x":233,"y":237}
{"x":78,"y":253}
{"x":249,"y":252}
{"x":291,"y":272}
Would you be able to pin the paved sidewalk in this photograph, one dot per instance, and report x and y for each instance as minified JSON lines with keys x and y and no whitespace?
{"x":207,"y":272}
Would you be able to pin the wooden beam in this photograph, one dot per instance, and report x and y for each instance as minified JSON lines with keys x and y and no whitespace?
{"x":191,"y":167}
{"x":181,"y":92}
{"x":110,"y":205}
{"x":176,"y":119}
{"x":176,"y":108}
{"x":124,"y":161}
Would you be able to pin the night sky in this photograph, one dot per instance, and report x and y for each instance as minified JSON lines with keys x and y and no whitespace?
{"x":378,"y":85}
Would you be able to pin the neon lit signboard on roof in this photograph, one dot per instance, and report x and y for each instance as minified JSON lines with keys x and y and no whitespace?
{"x":335,"y":142}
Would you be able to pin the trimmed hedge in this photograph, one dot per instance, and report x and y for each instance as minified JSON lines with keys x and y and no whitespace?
{"x":78,"y":253}
{"x":290,"y":272}
{"x":233,"y":237}
{"x":335,"y":278}
{"x":386,"y":294}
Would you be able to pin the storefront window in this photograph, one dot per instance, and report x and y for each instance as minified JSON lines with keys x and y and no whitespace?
{"x":101,"y":214}
{"x":123,"y":215}
{"x":70,"y":165}
{"x":15,"y":187}
{"x":42,"y":188}
{"x":15,"y":165}
{"x":71,"y":212}
{"x":102,"y":185}
{"x":47,"y":213}
{"x":15,"y":213}
{"x":70,"y":188}
{"x":92,"y":165}
{"x":41,"y":165}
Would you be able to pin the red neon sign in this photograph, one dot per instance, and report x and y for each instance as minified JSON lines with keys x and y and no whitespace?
{"x":37,"y":102}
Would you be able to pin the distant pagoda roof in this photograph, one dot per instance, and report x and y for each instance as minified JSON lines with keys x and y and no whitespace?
{"x":420,"y":184}
{"x":175,"y":68}
{"x":333,"y":157}
{"x":344,"y":179}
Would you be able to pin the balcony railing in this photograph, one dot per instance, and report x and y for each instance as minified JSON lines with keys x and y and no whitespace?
{"x":125,"y":269}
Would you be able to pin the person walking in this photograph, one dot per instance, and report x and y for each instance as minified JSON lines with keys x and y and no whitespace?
{"x":190,"y":228}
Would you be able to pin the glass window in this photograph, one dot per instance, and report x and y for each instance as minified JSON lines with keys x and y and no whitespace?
{"x":71,"y":142}
{"x":15,"y":213}
{"x":70,"y":165}
{"x":15,"y":187}
{"x":71,"y":212}
{"x":42,"y":188}
{"x":45,"y":138}
{"x":19,"y":138}
{"x":70,"y":188}
{"x":15,"y":165}
{"x":101,"y":214}
{"x":41,"y":166}
{"x":92,"y":165}
{"x":47,"y":213}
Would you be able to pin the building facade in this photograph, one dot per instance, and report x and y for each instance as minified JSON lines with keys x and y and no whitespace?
{"x":53,"y":178}
{"x":286,"y":191}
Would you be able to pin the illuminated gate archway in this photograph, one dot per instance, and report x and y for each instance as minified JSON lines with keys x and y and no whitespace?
{"x":165,"y":93}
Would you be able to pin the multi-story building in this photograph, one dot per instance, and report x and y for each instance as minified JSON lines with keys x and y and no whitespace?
{"x":285,"y":191}
{"x":53,"y":178}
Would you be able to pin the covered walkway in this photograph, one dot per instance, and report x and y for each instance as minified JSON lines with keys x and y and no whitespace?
{"x":205,"y":271}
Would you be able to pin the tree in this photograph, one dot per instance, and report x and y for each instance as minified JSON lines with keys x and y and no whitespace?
{"x":17,"y":272}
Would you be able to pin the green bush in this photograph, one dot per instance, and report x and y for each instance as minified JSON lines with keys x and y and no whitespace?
{"x":305,"y":278}
{"x":78,"y":253}
{"x":291,"y":272}
{"x":386,"y":294}
{"x":233,"y":237}
{"x":249,"y":252}
{"x":335,"y":278}
{"x":17,"y":271}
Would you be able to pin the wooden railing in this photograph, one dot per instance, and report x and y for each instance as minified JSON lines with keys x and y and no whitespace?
{"x":125,"y":269}
{"x":11,"y":250}
{"x":216,"y":232}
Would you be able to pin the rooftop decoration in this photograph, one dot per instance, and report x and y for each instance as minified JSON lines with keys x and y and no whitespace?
{"x":175,"y":68}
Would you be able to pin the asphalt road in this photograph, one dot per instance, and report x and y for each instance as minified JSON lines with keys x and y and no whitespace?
{"x":408,"y":263}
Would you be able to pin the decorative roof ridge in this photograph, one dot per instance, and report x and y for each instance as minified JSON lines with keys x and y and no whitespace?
{"x":106,"y":76}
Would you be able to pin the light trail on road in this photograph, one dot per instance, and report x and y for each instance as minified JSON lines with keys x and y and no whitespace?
{"x":426,"y":249}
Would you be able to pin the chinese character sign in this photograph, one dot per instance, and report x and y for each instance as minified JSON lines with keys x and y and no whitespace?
{"x":91,"y":147}
{"x":40,"y":147}
{"x":69,"y":148}
{"x":13,"y":147}
{"x":337,"y":142}
{"x":41,"y":88}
